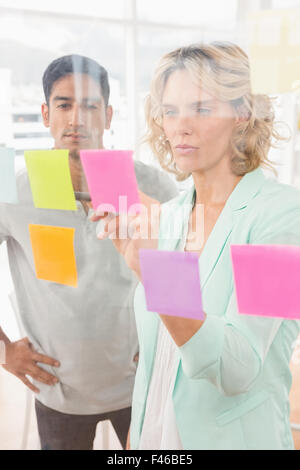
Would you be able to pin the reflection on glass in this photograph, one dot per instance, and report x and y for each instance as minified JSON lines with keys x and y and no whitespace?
{"x":212,"y":13}
{"x":100,"y":8}
{"x":285,"y":3}
{"x":27,"y":45}
{"x":274,"y":51}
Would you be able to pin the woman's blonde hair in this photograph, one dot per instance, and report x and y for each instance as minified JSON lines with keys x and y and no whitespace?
{"x":223,"y":70}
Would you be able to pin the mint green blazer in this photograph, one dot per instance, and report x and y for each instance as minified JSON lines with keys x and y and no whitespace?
{"x":233,"y":379}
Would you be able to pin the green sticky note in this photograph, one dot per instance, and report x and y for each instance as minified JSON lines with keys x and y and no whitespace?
{"x":50,"y":179}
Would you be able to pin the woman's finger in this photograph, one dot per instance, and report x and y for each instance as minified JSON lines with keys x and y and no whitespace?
{"x":136,"y":228}
{"x":107,"y":227}
{"x":98,"y":215}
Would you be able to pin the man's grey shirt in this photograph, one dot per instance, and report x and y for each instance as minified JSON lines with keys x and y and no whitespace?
{"x":89,"y":329}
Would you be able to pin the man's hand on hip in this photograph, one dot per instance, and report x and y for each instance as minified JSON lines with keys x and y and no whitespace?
{"x":21,"y":360}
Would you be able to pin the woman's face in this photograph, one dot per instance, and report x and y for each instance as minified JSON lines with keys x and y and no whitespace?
{"x":197,"y":125}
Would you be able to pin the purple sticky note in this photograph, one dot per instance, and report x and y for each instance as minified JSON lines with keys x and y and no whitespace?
{"x":111,"y":180}
{"x":267,"y":280}
{"x":171,"y":281}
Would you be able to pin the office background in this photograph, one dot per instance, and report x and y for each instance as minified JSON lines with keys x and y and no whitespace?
{"x":127,"y":37}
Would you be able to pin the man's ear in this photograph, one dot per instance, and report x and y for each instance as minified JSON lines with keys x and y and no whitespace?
{"x":109,"y":114}
{"x":45,"y":114}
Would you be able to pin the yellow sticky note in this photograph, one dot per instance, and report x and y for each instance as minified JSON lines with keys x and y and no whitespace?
{"x":275,"y":51}
{"x":50,"y":179}
{"x":53,"y":252}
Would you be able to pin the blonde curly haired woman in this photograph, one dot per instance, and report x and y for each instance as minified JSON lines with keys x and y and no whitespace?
{"x":221,"y":383}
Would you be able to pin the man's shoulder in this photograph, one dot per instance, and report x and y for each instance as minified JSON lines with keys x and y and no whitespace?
{"x":154,"y":182}
{"x":23,"y":186}
{"x":149,"y":172}
{"x":22,"y":176}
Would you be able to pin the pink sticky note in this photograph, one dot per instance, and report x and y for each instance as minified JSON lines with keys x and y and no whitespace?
{"x":111,"y":180}
{"x":171,"y":281}
{"x":267,"y":280}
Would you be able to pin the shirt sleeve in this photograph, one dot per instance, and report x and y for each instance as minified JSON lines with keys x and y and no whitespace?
{"x":230,"y":351}
{"x":155,"y":183}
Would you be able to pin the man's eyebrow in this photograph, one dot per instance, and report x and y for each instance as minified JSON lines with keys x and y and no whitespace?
{"x":62,"y":98}
{"x":84,"y":100}
{"x":96,"y":99}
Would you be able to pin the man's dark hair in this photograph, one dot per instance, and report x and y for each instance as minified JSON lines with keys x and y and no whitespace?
{"x":70,"y":64}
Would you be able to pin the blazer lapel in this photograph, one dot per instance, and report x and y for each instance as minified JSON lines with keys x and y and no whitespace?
{"x":215,"y":245}
{"x":246,"y":189}
{"x":174,"y":221}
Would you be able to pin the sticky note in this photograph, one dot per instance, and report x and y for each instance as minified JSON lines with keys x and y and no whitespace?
{"x":53,"y":252}
{"x":267,"y":280}
{"x":50,"y":179}
{"x":171,"y":281}
{"x":111,"y":179}
{"x":274,"y":51}
{"x":8,"y":184}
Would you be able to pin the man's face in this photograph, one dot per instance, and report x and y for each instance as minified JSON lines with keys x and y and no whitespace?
{"x":76,"y":114}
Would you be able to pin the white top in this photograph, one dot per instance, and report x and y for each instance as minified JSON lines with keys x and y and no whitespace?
{"x":160,"y":429}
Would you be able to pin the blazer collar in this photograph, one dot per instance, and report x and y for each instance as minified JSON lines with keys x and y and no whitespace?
{"x":249,"y":186}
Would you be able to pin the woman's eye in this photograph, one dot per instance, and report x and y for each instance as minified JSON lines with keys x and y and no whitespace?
{"x":203,"y":111}
{"x":169,"y":112}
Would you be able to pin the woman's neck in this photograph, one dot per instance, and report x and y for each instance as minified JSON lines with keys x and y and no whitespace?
{"x":214,"y":186}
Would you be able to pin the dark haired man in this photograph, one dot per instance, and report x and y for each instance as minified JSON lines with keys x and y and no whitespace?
{"x":81,"y":345}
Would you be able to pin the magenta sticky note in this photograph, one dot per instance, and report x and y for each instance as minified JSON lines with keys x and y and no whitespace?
{"x":171,"y":281}
{"x":267,"y":280}
{"x":111,"y":180}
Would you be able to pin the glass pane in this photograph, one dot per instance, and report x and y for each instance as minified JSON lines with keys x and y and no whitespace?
{"x":100,"y":8}
{"x":154,"y":42}
{"x":193,"y":12}
{"x":27,"y":46}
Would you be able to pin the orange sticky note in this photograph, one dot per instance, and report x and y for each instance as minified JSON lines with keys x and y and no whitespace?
{"x":53,"y":252}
